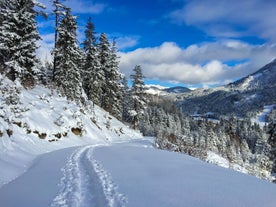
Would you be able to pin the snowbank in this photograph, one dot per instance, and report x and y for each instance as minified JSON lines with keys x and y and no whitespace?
{"x":40,"y":120}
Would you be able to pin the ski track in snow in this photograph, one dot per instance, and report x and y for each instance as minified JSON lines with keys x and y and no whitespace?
{"x":86,"y":184}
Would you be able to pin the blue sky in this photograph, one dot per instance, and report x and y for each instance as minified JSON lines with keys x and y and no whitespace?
{"x":195,"y":43}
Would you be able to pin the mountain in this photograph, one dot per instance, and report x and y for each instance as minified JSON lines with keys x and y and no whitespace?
{"x":245,"y":97}
{"x":261,"y":79}
{"x":166,"y":91}
{"x":177,"y":89}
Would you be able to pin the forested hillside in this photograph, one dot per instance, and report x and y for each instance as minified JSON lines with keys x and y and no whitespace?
{"x":229,"y":125}
{"x":86,"y":71}
{"x":245,"y":97}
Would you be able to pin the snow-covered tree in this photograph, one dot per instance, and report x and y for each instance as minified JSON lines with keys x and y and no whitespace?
{"x":3,"y":7}
{"x":18,"y":39}
{"x":90,"y":36}
{"x":113,"y":80}
{"x":59,"y":12}
{"x":272,"y":143}
{"x":126,"y":102}
{"x":104,"y":58}
{"x":138,"y":95}
{"x":111,"y":86}
{"x":69,"y":57}
{"x":92,"y":75}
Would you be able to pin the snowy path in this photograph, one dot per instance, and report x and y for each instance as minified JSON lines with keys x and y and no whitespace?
{"x":85,"y":183}
{"x":58,"y":181}
{"x":144,"y":176}
{"x":38,"y":186}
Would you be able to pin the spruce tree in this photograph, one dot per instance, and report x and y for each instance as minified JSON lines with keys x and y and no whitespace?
{"x":59,"y":12}
{"x":138,"y":95}
{"x":92,"y":76}
{"x":104,"y":58}
{"x":3,"y":7}
{"x":90,"y":36}
{"x":18,"y":40}
{"x":68,"y":58}
{"x":126,"y":101}
{"x":272,"y":143}
{"x":114,"y":80}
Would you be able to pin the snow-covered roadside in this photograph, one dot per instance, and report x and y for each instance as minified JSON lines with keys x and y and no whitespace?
{"x":38,"y":185}
{"x":151,"y":177}
{"x":132,"y":174}
{"x":18,"y":154}
{"x":216,"y":159}
{"x":39,"y":120}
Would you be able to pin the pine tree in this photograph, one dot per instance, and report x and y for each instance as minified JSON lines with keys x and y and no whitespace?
{"x":126,"y":101}
{"x":18,"y":40}
{"x":3,"y":7}
{"x":138,"y":95}
{"x":104,"y":58}
{"x":90,"y":36}
{"x":114,"y":80}
{"x":111,"y":99}
{"x":272,"y":143}
{"x":92,"y":75}
{"x":59,"y":12}
{"x":68,"y":58}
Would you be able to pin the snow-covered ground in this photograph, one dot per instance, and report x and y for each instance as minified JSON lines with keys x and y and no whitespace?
{"x":56,"y":153}
{"x":132,"y":174}
{"x":261,"y":117}
{"x":40,"y":120}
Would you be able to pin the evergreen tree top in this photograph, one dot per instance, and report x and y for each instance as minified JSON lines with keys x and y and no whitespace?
{"x":90,"y":38}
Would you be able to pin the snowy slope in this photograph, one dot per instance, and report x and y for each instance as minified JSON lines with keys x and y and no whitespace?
{"x":40,"y":120}
{"x":243,"y":97}
{"x":261,"y":117}
{"x":132,"y":174}
{"x":150,"y":177}
{"x":264,"y":77}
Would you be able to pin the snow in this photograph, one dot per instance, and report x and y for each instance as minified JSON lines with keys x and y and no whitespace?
{"x":261,"y":117}
{"x":43,"y":110}
{"x":108,"y":164}
{"x":150,"y":177}
{"x":132,"y":173}
{"x":217,"y":160}
{"x":246,"y":83}
{"x":38,"y":186}
{"x":84,"y":182}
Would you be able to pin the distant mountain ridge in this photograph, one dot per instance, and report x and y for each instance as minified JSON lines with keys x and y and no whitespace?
{"x":177,"y":89}
{"x":264,"y":77}
{"x":163,"y":91}
{"x":244,"y":97}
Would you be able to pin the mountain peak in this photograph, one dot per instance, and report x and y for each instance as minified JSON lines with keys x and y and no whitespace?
{"x":262,"y":78}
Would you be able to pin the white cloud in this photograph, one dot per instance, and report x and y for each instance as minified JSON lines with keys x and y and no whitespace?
{"x":226,"y":18}
{"x":198,"y":64}
{"x":84,"y":7}
{"x":125,"y":42}
{"x":78,"y":6}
